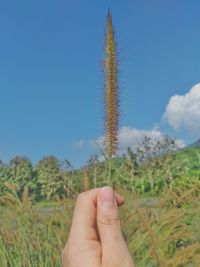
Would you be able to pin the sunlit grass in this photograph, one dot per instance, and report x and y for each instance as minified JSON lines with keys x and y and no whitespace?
{"x":160,"y":231}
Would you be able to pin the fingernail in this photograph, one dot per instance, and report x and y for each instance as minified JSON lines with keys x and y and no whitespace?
{"x":106,"y":196}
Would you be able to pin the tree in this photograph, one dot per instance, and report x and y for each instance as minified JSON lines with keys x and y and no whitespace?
{"x":3,"y":188}
{"x":67,"y":170}
{"x":19,"y":171}
{"x":157,"y":159}
{"x":49,"y":177}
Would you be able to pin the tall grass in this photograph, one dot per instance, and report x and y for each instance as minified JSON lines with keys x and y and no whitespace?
{"x":165,"y":233}
{"x":160,"y":232}
{"x":31,"y":237}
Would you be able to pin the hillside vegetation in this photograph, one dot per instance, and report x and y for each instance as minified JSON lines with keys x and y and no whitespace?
{"x":160,"y":218}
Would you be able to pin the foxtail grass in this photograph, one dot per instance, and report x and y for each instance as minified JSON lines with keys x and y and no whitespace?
{"x":111,"y":96}
{"x":111,"y":90}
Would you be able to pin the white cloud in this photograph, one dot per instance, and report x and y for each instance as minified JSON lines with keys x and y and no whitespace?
{"x":128,"y":137}
{"x":180,"y":143}
{"x":183,"y":111}
{"x":131,"y":137}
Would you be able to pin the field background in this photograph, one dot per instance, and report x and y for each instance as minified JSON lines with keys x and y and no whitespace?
{"x":160,"y":218}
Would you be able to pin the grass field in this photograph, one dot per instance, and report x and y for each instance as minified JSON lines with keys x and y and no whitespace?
{"x":161,"y":230}
{"x":159,"y":233}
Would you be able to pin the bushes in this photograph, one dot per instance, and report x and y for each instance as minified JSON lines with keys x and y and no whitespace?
{"x":149,"y":169}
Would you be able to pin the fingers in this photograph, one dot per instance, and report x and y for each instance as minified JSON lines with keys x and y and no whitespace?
{"x":84,"y":219}
{"x":108,"y":223}
{"x":120,"y":199}
{"x":96,"y":229}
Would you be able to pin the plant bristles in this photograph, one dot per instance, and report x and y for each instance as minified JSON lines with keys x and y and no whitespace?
{"x":111,"y":91}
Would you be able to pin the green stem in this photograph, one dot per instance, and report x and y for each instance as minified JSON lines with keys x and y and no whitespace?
{"x":109,"y":170}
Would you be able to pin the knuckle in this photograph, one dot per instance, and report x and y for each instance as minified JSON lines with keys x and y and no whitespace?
{"x":108,"y":220}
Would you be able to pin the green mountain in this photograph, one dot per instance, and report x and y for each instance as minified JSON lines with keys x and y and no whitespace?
{"x":196,"y":144}
{"x":191,"y":157}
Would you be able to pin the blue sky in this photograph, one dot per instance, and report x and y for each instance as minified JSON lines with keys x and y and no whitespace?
{"x":51,"y":79}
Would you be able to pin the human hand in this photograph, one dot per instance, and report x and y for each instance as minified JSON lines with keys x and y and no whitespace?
{"x":95,"y":238}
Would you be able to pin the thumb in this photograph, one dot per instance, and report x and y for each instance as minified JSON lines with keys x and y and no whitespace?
{"x":108,"y":223}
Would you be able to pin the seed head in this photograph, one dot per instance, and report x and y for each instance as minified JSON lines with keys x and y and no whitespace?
{"x":111,"y":90}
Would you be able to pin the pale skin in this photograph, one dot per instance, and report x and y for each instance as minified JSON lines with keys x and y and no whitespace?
{"x":95,"y":238}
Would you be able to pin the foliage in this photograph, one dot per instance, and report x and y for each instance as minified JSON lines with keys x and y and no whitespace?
{"x":49,"y":177}
{"x":161,"y":221}
{"x":30,"y":237}
{"x":19,"y":171}
{"x":160,"y":231}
